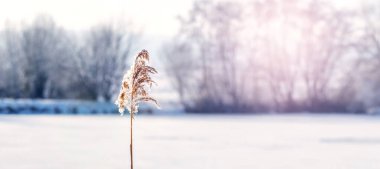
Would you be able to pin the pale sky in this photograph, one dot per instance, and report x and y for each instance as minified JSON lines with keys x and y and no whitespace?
{"x":155,"y":17}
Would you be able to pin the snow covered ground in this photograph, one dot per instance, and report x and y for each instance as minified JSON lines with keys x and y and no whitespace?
{"x":190,"y":142}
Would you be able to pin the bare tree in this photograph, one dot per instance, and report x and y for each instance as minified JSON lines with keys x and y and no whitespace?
{"x":102,"y":59}
{"x":207,"y":35}
{"x":43,"y":54}
{"x":368,"y":47}
{"x":180,"y":66}
{"x":299,"y":48}
{"x":326,"y":35}
{"x":11,"y":56}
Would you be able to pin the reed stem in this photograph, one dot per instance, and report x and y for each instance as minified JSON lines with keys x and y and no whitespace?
{"x":131,"y":145}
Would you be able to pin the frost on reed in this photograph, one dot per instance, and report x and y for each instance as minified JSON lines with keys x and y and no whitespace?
{"x":134,"y":89}
{"x":135,"y":85}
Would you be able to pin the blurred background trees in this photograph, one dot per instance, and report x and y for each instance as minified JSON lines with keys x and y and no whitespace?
{"x":227,"y":56}
{"x":42,"y":60}
{"x":280,"y":56}
{"x":101,"y":61}
{"x":208,"y":41}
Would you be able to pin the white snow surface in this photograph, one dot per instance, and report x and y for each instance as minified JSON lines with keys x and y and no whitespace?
{"x":190,"y":142}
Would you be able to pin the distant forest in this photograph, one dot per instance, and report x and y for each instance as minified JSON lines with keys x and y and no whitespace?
{"x":277,"y":56}
{"x":227,"y":56}
{"x":42,"y":60}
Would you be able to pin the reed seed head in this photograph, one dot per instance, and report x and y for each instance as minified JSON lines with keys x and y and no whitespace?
{"x":135,"y":85}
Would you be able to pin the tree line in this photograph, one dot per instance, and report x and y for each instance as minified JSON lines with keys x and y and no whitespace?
{"x":276,"y":56}
{"x":227,"y":56}
{"x":43,"y":60}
